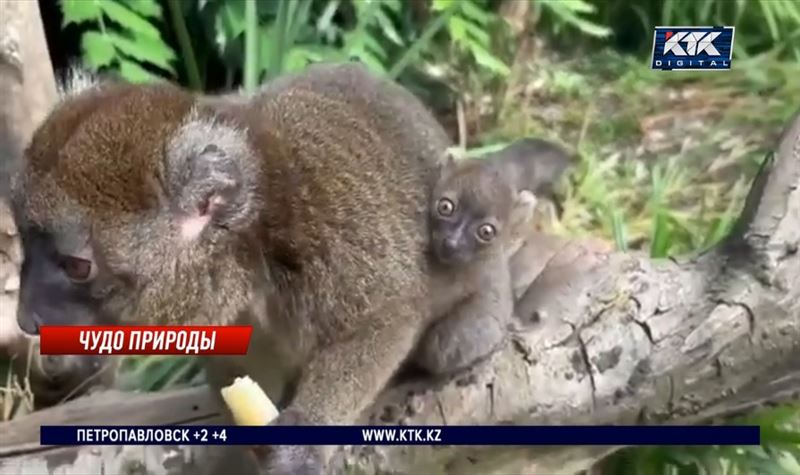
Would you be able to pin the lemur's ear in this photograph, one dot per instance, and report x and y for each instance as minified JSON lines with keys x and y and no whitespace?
{"x":213,"y":176}
{"x":447,"y":160}
{"x":523,"y":209}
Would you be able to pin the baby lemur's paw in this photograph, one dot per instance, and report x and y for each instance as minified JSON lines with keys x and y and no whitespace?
{"x":290,"y":459}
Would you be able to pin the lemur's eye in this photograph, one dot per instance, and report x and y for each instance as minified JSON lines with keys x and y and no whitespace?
{"x":77,"y":269}
{"x":486,"y":232}
{"x":445,"y":207}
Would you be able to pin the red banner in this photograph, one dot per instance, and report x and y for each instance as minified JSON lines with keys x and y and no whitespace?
{"x":144,"y":340}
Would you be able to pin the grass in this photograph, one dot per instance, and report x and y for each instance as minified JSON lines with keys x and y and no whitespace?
{"x":666,"y":159}
{"x":779,"y":453}
{"x":16,"y":398}
{"x":136,"y":373}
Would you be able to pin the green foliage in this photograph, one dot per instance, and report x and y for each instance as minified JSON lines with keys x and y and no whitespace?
{"x":761,"y":25}
{"x":573,"y":13}
{"x":262,"y":39}
{"x":270,"y":38}
{"x":780,"y":17}
{"x":258,"y":40}
{"x":680,"y":214}
{"x":468,"y":27}
{"x":294,"y":40}
{"x":154,"y":373}
{"x":778,"y":454}
{"x":120,"y":35}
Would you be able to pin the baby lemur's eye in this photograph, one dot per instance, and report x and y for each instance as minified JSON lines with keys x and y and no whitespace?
{"x":77,"y":269}
{"x":445,"y":207}
{"x":486,"y":232}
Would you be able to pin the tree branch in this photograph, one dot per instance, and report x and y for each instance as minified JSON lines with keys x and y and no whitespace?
{"x":28,"y":92}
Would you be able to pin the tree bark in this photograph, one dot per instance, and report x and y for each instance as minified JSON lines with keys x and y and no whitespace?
{"x":623,"y":339}
{"x":28,"y":92}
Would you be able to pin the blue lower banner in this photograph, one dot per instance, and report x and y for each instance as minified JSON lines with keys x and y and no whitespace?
{"x":401,"y":435}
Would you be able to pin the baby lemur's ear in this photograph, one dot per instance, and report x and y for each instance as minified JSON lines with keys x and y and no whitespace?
{"x":213,"y":177}
{"x":523,"y":209}
{"x":447,"y":160}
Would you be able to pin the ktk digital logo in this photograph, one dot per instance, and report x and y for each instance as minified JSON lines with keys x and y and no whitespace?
{"x":692,"y":48}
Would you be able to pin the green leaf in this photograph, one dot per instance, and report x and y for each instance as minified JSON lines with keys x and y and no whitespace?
{"x":267,"y":37}
{"x":128,"y":19}
{"x":135,"y":73}
{"x":374,"y":46}
{"x":710,"y":461}
{"x":300,"y":56}
{"x":789,"y":463}
{"x":228,"y":27}
{"x":566,"y":11}
{"x":325,"y":20}
{"x":575,"y":6}
{"x":769,"y":16}
{"x":299,"y":22}
{"x":773,"y":416}
{"x":79,"y":11}
{"x":667,"y":12}
{"x":773,"y":434}
{"x":97,"y":49}
{"x":231,"y":19}
{"x":477,"y":34}
{"x":456,"y":27}
{"x":475,"y":13}
{"x":705,"y":9}
{"x":489,"y":61}
{"x":442,"y":5}
{"x":793,"y":11}
{"x":661,"y":235}
{"x":146,"y":8}
{"x":618,"y":228}
{"x":152,"y":373}
{"x":145,"y":49}
{"x":252,"y":67}
{"x":387,"y":26}
{"x":641,"y":14}
{"x":393,"y":5}
{"x":181,"y":372}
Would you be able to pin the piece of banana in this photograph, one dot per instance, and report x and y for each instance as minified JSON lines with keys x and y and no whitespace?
{"x":248,"y":403}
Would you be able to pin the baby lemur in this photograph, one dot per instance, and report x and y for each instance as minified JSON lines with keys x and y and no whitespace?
{"x":481,"y":213}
